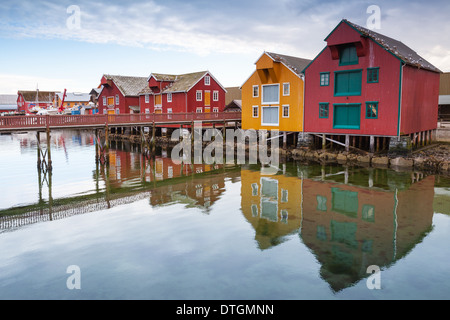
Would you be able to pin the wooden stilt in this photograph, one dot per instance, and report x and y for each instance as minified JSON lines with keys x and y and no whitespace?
{"x":347,"y":142}
{"x":49,"y":153}
{"x":372,"y":144}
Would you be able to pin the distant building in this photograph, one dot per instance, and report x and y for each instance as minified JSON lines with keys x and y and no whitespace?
{"x":8,"y":102}
{"x":74,"y":99}
{"x":31,"y":101}
{"x":197,"y":92}
{"x":444,"y":97}
{"x":234,"y":106}
{"x":233,"y":100}
{"x":94,"y":95}
{"x":120,"y":94}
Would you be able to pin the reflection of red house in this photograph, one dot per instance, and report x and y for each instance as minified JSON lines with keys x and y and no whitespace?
{"x":120,"y":94}
{"x":196,"y":92}
{"x":27,"y":100}
{"x":366,"y":84}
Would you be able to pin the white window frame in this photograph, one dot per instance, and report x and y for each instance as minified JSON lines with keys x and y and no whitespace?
{"x":117,"y":111}
{"x":288,"y":84}
{"x":199,"y":95}
{"x":262,"y":94}
{"x":215,"y":110}
{"x":289,"y":111}
{"x":257,"y":112}
{"x":147,"y":110}
{"x":215,"y":95}
{"x":105,"y":102}
{"x":147,"y":98}
{"x":257,"y":92}
{"x":269,"y":124}
{"x":207,"y":80}
{"x":169,"y":110}
{"x":169,"y":97}
{"x":117,"y":99}
{"x":199,"y":110}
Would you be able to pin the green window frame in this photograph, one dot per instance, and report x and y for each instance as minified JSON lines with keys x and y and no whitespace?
{"x":347,"y":116}
{"x":372,"y":110}
{"x":324,"y":110}
{"x":373,"y":75}
{"x":348,"y":55}
{"x":348,"y":83}
{"x":324,"y":79}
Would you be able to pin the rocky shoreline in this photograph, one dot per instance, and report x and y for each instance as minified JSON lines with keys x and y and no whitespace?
{"x":433,"y":159}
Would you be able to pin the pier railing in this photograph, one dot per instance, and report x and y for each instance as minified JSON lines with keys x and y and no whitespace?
{"x":79,"y":121}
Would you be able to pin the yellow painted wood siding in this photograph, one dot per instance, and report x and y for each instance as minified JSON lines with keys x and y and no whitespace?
{"x":270,"y":72}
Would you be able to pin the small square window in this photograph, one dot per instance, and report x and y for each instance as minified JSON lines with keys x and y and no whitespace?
{"x":372,"y":110}
{"x":255,"y":112}
{"x":255,"y":91}
{"x":215,"y":110}
{"x":207,"y":80}
{"x":324,"y":79}
{"x":199,"y":110}
{"x":285,"y":111}
{"x":324,"y":110}
{"x":373,"y":75}
{"x":286,"y":89}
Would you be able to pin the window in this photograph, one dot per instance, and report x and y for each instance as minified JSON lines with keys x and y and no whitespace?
{"x":117,"y":111}
{"x":104,"y":101}
{"x":215,"y":95}
{"x":147,"y":110}
{"x":147,"y":98}
{"x":285,"y":111}
{"x":348,"y":83}
{"x":270,"y":116}
{"x":169,"y":110}
{"x":199,"y":95}
{"x":271,"y":94}
{"x":368,"y":213}
{"x":323,"y":110}
{"x":345,"y":202}
{"x":347,"y":116}
{"x":371,"y":110}
{"x":215,"y":110}
{"x":321,"y":203}
{"x":207,"y":80}
{"x":117,"y":100}
{"x":255,"y":111}
{"x":254,"y":189}
{"x":348,"y":55}
{"x":286,"y":89}
{"x":199,"y":110}
{"x":284,"y":196}
{"x":255,"y":91}
{"x":169,"y":97}
{"x":372,"y":75}
{"x":324,"y":79}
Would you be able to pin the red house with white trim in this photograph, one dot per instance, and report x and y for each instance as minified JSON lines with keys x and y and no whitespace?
{"x":364,"y":84}
{"x":120,"y":94}
{"x":193,"y":92}
{"x":32,"y":101}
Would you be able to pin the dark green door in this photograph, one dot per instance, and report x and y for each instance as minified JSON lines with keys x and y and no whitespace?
{"x":347,"y":116}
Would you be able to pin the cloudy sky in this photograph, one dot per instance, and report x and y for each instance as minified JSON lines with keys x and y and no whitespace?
{"x":71,"y":44}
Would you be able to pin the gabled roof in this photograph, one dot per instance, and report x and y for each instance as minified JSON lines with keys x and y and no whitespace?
{"x":395,"y":47}
{"x":75,"y":97}
{"x":8,"y":99}
{"x":163,"y":77}
{"x":128,"y":86}
{"x":185,"y":82}
{"x":44,"y":96}
{"x":294,"y":63}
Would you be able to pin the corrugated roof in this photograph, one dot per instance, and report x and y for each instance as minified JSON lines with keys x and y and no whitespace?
{"x":129,"y":86}
{"x":397,"y":48}
{"x":75,"y":97}
{"x":44,"y":96}
{"x":8,"y":99}
{"x":444,"y":87}
{"x":294,"y":63}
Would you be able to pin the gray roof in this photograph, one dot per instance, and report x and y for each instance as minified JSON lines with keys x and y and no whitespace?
{"x":294,"y":63}
{"x":75,"y":97}
{"x":129,"y":86}
{"x":397,"y":48}
{"x":184,"y":82}
{"x":444,"y":100}
{"x":8,"y":99}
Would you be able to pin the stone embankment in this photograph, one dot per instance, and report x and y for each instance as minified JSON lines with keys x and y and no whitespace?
{"x":435,"y":158}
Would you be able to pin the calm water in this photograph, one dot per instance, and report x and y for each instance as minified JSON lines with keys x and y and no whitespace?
{"x":150,"y":229}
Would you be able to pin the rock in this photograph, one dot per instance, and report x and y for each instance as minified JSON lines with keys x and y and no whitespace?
{"x":419,"y":163}
{"x":444,"y":166}
{"x":380,"y":161}
{"x":341,"y":158}
{"x":364,"y":159}
{"x":402,"y":162}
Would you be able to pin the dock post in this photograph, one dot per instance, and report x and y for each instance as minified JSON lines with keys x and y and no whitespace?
{"x":347,"y":143}
{"x":372,"y":144}
{"x":153,"y":138}
{"x":49,"y":154}
{"x":38,"y":136}
{"x":107,"y":144}
{"x":324,"y":142}
{"x":284,"y":140}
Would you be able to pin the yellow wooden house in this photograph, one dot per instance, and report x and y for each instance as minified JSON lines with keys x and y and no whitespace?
{"x":272,"y":98}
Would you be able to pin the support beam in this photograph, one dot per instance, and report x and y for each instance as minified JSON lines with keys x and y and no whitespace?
{"x":372,"y":144}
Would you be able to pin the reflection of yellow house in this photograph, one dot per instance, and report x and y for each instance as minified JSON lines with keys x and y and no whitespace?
{"x":272,"y":205}
{"x":272,"y":98}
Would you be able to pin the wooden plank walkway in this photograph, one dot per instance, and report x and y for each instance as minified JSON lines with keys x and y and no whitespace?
{"x":41,"y":123}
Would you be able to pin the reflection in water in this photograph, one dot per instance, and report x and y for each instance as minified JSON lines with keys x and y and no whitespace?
{"x":347,"y":227}
{"x":349,"y":218}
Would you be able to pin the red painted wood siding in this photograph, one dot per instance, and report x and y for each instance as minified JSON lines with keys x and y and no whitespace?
{"x":420,"y":99}
{"x":124,"y":102}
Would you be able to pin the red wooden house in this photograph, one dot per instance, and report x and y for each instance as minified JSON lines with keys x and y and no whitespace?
{"x":31,"y":101}
{"x":366,"y":85}
{"x":194,"y":92}
{"x":120,"y":94}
